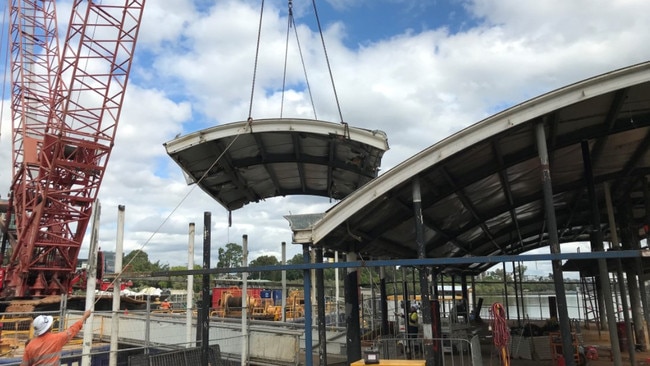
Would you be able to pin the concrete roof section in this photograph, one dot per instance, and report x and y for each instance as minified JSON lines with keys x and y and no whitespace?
{"x":481,"y":187}
{"x":248,"y":161}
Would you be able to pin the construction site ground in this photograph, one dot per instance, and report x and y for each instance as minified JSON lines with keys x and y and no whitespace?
{"x":600,"y":340}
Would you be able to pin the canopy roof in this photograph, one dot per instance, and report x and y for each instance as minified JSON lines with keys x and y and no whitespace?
{"x":243,"y":162}
{"x":481,"y":188}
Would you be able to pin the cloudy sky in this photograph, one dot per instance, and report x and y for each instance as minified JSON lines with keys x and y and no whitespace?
{"x":419,"y":70}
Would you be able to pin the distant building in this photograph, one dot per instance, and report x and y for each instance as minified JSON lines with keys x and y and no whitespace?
{"x":109,"y":262}
{"x":82,"y":263}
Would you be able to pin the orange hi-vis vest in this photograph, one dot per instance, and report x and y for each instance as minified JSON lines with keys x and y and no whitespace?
{"x":45,"y":350}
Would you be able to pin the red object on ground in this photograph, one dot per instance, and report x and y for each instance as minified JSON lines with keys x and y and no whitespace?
{"x":591,"y":353}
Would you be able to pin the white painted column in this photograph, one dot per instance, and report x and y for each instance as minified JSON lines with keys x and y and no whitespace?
{"x":115,"y":321}
{"x":91,"y":279}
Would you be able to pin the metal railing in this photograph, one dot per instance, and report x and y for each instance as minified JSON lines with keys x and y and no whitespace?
{"x":454,"y":351}
{"x":190,"y":356}
{"x":141,"y":332}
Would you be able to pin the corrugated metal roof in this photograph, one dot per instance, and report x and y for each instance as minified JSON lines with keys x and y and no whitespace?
{"x":243,"y":162}
{"x":481,"y":187}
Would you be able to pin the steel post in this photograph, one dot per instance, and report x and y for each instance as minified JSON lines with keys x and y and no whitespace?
{"x":320,"y":301}
{"x":353,"y":339}
{"x":306,"y":257}
{"x":554,"y":244}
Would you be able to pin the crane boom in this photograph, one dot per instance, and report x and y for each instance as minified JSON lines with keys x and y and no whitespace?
{"x":65,"y":111}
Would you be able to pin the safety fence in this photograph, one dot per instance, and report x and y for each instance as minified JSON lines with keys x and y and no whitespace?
{"x":191,"y":356}
{"x":452,"y":351}
{"x":165,"y":336}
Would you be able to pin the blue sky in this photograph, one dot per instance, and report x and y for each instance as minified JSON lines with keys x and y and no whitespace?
{"x":373,"y":20}
{"x":418,"y":70}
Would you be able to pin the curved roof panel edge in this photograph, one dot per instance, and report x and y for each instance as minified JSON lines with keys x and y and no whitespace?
{"x":510,"y":118}
{"x":249,"y":161}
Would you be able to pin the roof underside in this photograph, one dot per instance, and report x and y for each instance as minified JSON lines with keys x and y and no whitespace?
{"x":481,"y":188}
{"x":245,"y":162}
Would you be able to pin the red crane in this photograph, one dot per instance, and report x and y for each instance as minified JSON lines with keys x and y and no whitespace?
{"x":65,"y":111}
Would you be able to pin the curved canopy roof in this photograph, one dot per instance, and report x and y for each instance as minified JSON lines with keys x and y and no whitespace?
{"x":243,"y":162}
{"x":481,"y":188}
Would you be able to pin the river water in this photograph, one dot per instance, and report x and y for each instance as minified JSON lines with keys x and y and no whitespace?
{"x":536,"y":306}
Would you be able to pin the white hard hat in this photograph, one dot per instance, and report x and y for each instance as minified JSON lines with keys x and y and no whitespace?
{"x":42,"y":324}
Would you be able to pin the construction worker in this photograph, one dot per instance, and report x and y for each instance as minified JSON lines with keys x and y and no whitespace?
{"x":165,"y":305}
{"x":45,"y":348}
{"x":411,"y":319}
{"x":413,"y":322}
{"x":412,"y":328}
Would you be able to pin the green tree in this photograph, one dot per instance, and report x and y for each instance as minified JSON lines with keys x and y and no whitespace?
{"x":295,"y":274}
{"x":180,"y":282}
{"x":365,"y":274}
{"x":498,"y":273}
{"x":137,"y":261}
{"x":266,"y":260}
{"x":231,"y":257}
{"x":138,"y":265}
{"x":328,"y":274}
{"x":521,"y":270}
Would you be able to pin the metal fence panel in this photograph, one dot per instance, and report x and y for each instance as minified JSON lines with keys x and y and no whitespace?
{"x":187,"y":357}
{"x":456,"y":351}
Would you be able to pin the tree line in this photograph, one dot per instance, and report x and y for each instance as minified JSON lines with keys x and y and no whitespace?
{"x":231,"y":255}
{"x":138,"y":265}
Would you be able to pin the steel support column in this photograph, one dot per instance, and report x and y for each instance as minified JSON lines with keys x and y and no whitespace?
{"x":425,"y":298}
{"x":284,"y":283}
{"x":465,"y":296}
{"x":629,"y":241}
{"x":611,"y":317}
{"x":516,"y":280}
{"x":554,"y":244}
{"x":641,"y":274}
{"x":620,"y":278}
{"x":600,"y":300}
{"x":306,"y":257}
{"x":353,"y":339}
{"x":473,"y":282}
{"x":597,"y":246}
{"x":337,"y":296}
{"x":505,"y":290}
{"x":638,"y":323}
{"x":383,"y":294}
{"x":395,"y":303}
{"x":320,"y":301}
{"x":405,"y":293}
{"x":436,"y":327}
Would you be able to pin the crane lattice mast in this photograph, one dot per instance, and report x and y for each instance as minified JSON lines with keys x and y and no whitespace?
{"x":65,"y":111}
